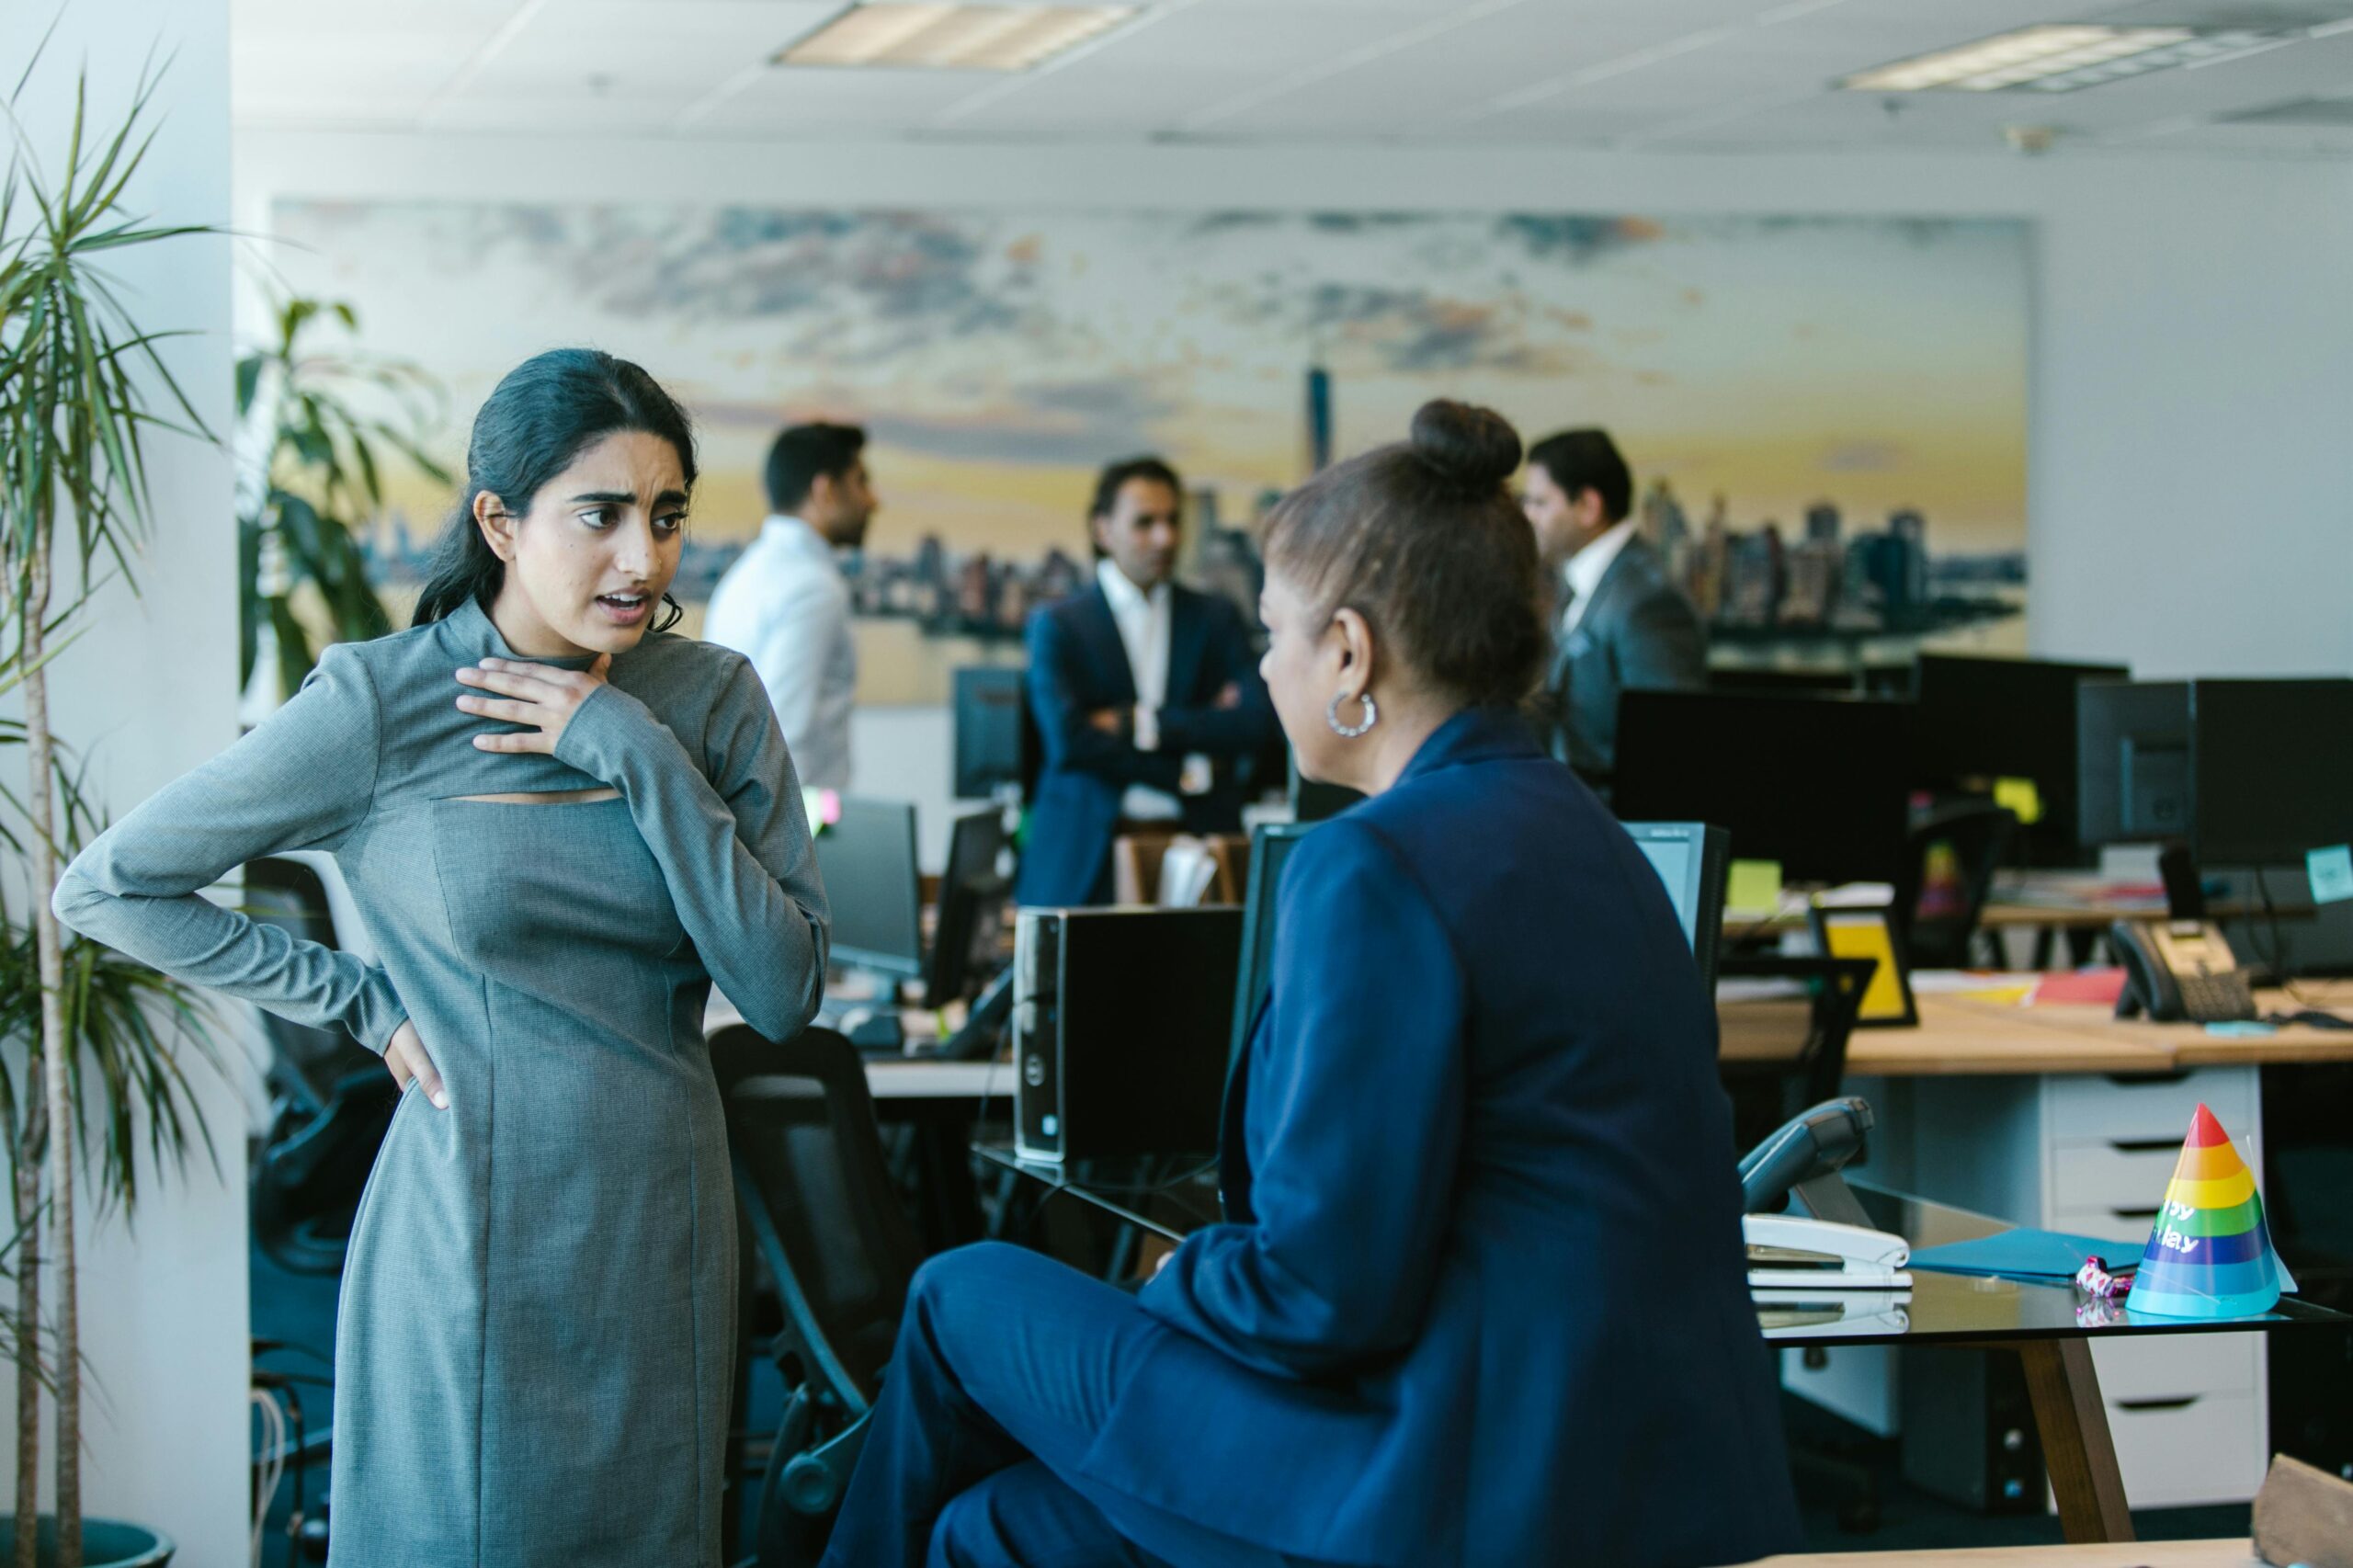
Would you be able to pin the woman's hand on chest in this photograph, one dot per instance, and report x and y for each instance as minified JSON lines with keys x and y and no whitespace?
{"x":540,"y":696}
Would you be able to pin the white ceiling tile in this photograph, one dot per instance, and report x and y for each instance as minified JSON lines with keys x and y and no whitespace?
{"x":797,"y":100}
{"x":1718,"y":74}
{"x":682,"y":42}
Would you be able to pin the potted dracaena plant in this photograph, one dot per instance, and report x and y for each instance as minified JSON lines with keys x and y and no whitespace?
{"x":313,"y":419}
{"x":99,"y":1038}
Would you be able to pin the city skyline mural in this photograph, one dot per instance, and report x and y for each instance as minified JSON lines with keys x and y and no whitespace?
{"x":1826,"y":418}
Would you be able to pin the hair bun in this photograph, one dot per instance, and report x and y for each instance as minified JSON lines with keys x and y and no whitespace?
{"x":1474,"y":447}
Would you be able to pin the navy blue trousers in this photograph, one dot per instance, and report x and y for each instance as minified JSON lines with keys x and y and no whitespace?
{"x":1008,"y":1364}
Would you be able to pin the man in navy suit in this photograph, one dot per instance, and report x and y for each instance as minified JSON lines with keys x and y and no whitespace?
{"x":1146,"y":693}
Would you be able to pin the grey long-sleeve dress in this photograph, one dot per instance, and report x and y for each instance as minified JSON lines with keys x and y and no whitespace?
{"x":538,"y":1311}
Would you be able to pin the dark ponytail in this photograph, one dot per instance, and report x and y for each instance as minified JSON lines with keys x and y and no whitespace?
{"x":541,"y":416}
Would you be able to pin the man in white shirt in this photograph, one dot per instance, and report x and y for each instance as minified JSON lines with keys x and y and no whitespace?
{"x":1146,"y":695}
{"x":785,"y":604}
{"x":1621,"y":625}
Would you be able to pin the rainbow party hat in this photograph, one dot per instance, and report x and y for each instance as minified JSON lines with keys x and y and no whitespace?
{"x":2210,"y":1254}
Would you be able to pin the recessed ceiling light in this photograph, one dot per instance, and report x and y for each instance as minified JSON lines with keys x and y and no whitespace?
{"x":952,"y":37}
{"x":2062,"y":58}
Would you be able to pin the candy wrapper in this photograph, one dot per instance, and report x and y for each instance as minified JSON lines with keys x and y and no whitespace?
{"x":2094,"y":1280}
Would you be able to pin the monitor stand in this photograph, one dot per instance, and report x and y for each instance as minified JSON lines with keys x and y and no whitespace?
{"x":2185,"y":897}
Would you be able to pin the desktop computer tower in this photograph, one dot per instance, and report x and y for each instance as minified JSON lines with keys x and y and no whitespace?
{"x":1122,"y":1019}
{"x":1969,"y":1432}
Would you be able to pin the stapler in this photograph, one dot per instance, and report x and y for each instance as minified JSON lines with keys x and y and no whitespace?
{"x":1796,"y":1252}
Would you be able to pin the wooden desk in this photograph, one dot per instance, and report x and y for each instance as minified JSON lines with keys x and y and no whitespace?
{"x":2152,"y":1554}
{"x":1954,"y":1037}
{"x":1960,"y":1035}
{"x":2063,"y":1116}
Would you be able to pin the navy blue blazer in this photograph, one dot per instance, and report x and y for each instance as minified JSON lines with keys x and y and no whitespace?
{"x":1480,"y":1297}
{"x":1077,"y":666}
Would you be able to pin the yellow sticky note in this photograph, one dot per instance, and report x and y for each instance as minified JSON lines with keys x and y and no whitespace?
{"x":2024,"y":801}
{"x":1753,"y":885}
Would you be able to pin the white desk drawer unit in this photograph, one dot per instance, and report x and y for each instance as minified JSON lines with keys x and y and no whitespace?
{"x":2094,"y":1105}
{"x":2121,"y":1177}
{"x":2091,"y":1154}
{"x":2189,"y":1450}
{"x":2177,"y":1366}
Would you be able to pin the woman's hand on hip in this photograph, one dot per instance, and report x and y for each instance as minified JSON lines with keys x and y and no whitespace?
{"x":538,"y":695}
{"x":405,"y":1056}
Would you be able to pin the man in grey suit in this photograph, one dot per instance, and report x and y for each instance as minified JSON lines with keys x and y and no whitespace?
{"x":1621,"y":625}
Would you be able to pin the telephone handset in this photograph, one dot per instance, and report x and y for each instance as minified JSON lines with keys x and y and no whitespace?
{"x":1826,"y":1242}
{"x":2178,"y":969}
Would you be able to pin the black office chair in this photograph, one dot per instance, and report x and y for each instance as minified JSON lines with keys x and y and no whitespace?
{"x":1976,"y":835}
{"x":331,"y":1100}
{"x":1769,"y":1088}
{"x":822,"y":1227}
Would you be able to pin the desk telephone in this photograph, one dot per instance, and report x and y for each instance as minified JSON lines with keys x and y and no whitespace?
{"x":1831,"y":1244}
{"x":2176,"y":970}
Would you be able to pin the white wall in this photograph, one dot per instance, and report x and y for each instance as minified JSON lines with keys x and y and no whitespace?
{"x":2190,"y":489}
{"x":147,"y":694}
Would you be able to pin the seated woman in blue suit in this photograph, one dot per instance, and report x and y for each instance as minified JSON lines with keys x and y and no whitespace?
{"x":1480,"y":1297}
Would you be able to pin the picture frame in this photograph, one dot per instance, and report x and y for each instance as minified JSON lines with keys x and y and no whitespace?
{"x":1869,"y":932}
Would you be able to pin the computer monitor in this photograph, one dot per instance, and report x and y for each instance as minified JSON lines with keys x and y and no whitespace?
{"x":2248,"y":772}
{"x":2132,"y":762}
{"x":973,"y":891}
{"x":1691,"y":857}
{"x":1819,"y":784}
{"x":1270,"y":847}
{"x":1980,"y":721}
{"x":2273,"y":769}
{"x":867,"y":856}
{"x":991,"y":730}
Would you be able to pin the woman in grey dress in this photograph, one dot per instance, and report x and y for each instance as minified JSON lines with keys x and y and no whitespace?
{"x":562,"y":825}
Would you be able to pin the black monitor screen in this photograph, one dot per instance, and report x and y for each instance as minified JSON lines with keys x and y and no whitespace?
{"x":972,"y":901}
{"x":1821,"y":785}
{"x":2274,"y":761}
{"x":989,"y":718}
{"x":867,"y":856}
{"x":2132,"y":762}
{"x":1992,"y":719}
{"x":1270,"y":849}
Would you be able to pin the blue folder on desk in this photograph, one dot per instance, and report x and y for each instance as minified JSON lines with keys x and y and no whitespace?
{"x":2026,"y":1255}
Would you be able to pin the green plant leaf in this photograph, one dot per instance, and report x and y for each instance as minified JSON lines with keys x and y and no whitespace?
{"x":249,"y":370}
